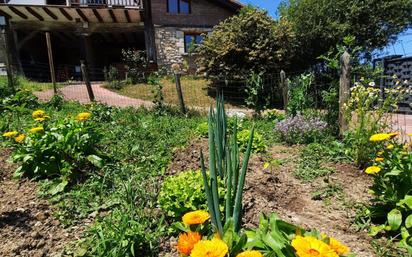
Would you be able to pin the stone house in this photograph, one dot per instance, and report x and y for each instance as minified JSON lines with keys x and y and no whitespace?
{"x":60,"y":33}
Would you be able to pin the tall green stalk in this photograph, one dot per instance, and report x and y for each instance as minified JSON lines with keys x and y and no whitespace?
{"x":224,"y":159}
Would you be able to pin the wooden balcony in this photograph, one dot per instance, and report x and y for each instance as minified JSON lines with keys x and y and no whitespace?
{"x":107,"y":3}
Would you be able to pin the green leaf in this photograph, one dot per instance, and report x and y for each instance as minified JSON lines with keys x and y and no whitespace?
{"x":58,"y":188}
{"x":408,"y":221}
{"x":96,"y":160}
{"x":395,"y":219}
{"x":406,"y":201}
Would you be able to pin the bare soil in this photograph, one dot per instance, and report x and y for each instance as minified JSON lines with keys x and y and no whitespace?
{"x":275,"y":189}
{"x":27,"y":225}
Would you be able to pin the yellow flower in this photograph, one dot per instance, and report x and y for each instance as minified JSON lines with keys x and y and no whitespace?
{"x":372,"y":170}
{"x":338,"y":247}
{"x":83,"y":116}
{"x":379,"y":137}
{"x":311,"y":247}
{"x":187,"y":241}
{"x":250,"y":254}
{"x":40,"y":119}
{"x":20,"y":138}
{"x":38,"y":114}
{"x":10,"y":134}
{"x":404,"y":153}
{"x":36,"y":129}
{"x":390,"y":147}
{"x":210,"y":248}
{"x":410,"y":134}
{"x":393,"y":134}
{"x":379,"y":153}
{"x":195,"y":217}
{"x":379,"y":159}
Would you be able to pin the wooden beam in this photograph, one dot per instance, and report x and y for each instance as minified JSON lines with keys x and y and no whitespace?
{"x":22,"y":15}
{"x":97,"y":14}
{"x":51,"y":62}
{"x":31,"y":35}
{"x":112,"y":15}
{"x":126,"y":14}
{"x":65,"y":14}
{"x":5,"y":15}
{"x":81,"y":14}
{"x":50,"y":13}
{"x":34,"y":13}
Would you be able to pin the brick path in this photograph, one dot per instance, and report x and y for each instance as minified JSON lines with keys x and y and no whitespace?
{"x":78,"y":92}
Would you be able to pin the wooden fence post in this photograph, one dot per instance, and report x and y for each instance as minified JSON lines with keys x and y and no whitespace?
{"x":179,"y":92}
{"x":344,"y":87}
{"x":51,"y":62}
{"x":86,"y":80}
{"x":285,"y":89}
{"x":6,"y":52}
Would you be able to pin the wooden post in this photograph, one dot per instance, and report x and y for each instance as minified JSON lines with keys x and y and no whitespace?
{"x":285,"y":89}
{"x":179,"y":92}
{"x":86,"y":80}
{"x":382,"y":80}
{"x":51,"y":62}
{"x":7,"y":59}
{"x":344,"y":87}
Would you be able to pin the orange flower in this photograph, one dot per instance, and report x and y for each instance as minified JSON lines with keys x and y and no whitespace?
{"x":187,"y":241}
{"x":195,"y":217}
{"x":338,"y":247}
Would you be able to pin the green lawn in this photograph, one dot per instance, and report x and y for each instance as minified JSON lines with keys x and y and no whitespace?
{"x":30,"y":85}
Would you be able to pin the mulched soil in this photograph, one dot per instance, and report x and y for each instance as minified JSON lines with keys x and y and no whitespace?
{"x":276,"y":190}
{"x":27,"y":226}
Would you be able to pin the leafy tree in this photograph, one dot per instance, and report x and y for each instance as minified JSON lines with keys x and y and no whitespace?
{"x":321,"y":25}
{"x":249,"y":42}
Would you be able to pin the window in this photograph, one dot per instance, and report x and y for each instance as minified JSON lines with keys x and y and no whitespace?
{"x":191,"y":40}
{"x":178,"y":6}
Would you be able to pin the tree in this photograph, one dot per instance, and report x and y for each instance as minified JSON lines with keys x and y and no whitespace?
{"x":249,"y":42}
{"x":320,"y":25}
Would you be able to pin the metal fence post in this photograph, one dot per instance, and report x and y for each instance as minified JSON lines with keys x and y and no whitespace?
{"x":86,"y":80}
{"x":344,"y":86}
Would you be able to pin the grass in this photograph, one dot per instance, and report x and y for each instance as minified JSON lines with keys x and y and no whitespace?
{"x":194,"y":91}
{"x":30,"y":85}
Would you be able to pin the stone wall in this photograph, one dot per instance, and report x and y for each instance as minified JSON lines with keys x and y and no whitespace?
{"x":170,"y":44}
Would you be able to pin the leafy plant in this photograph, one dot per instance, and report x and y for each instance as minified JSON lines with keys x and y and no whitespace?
{"x":299,"y":97}
{"x":111,"y":76}
{"x":310,"y":165}
{"x":273,"y":115}
{"x":258,"y":144}
{"x":136,"y":61}
{"x":202,"y":129}
{"x":184,"y":192}
{"x":257,"y":92}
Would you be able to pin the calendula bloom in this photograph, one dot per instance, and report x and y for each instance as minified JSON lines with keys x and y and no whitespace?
{"x":210,"y":248}
{"x":36,"y":129}
{"x":38,"y":114}
{"x":379,"y":159}
{"x":10,"y":134}
{"x":379,"y":137}
{"x":338,"y":247}
{"x":195,"y":217}
{"x":20,"y":138}
{"x":410,"y":134}
{"x":83,"y":116}
{"x":187,"y":241}
{"x":250,"y":254}
{"x":390,"y":147}
{"x":310,"y":247}
{"x":373,"y":170}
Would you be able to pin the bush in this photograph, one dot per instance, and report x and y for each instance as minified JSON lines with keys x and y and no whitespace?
{"x":55,"y":149}
{"x":137,"y":64}
{"x":273,"y":115}
{"x":258,"y":145}
{"x":301,"y":129}
{"x":299,"y":98}
{"x":22,"y":98}
{"x":182,"y":193}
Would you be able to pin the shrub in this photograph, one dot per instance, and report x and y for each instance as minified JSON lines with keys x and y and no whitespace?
{"x":202,"y":129}
{"x":137,"y":64}
{"x":258,"y":145}
{"x":301,"y":129}
{"x":299,"y":97}
{"x":22,"y":98}
{"x":273,"y":115}
{"x":182,"y":193}
{"x":391,"y":169}
{"x":55,"y":149}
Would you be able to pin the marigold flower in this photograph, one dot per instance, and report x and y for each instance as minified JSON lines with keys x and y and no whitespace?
{"x":379,"y":137}
{"x":36,"y":129}
{"x":83,"y":116}
{"x":338,"y":247}
{"x":187,"y":241}
{"x":250,"y":254}
{"x":379,"y":159}
{"x":38,"y":114}
{"x":20,"y":138}
{"x":373,"y":170}
{"x":390,"y":147}
{"x":309,"y":246}
{"x":210,"y":248}
{"x":195,"y":217}
{"x":10,"y":134}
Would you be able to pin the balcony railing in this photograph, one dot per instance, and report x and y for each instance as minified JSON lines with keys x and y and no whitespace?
{"x":110,"y":3}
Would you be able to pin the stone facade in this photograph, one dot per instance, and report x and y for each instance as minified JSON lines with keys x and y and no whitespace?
{"x":170,"y":44}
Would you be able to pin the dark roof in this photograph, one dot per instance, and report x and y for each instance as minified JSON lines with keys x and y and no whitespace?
{"x":232,"y":5}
